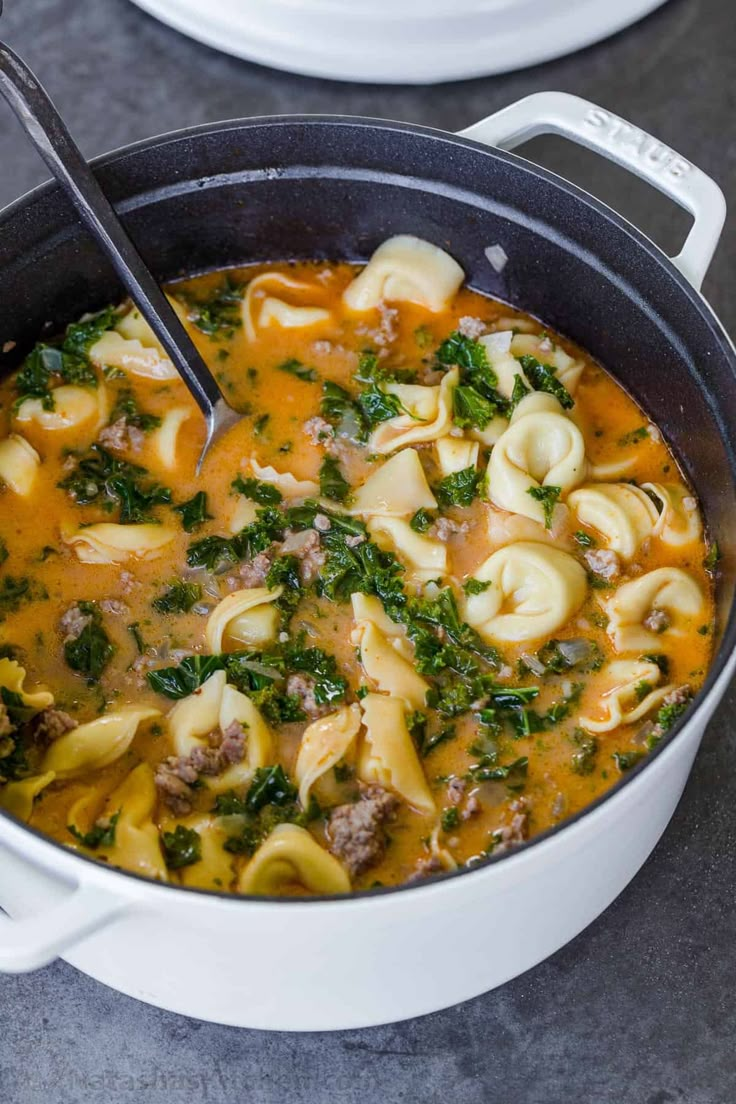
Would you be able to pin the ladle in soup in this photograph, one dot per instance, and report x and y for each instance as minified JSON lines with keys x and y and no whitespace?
{"x":49,"y":134}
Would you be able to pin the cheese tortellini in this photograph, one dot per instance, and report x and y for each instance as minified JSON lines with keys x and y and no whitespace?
{"x":622,"y":516}
{"x":288,"y":484}
{"x":534,"y":590}
{"x":324,"y":744}
{"x":133,"y":347}
{"x":424,"y":557}
{"x":109,"y":543}
{"x":405,"y":269}
{"x":292,"y":857}
{"x":385,"y":665}
{"x":679,"y":523}
{"x":261,"y":309}
{"x":244,"y":619}
{"x":137,"y":845}
{"x":428,"y":414}
{"x":83,"y":409}
{"x":96,"y":744}
{"x":541,"y":448}
{"x":664,"y":601}
{"x":19,"y":464}
{"x":397,"y":488}
{"x":629,"y":693}
{"x":388,"y":755}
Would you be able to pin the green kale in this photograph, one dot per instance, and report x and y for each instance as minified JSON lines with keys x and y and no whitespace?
{"x":301,"y":371}
{"x":713,"y":558}
{"x":265,"y":494}
{"x":475,"y":586}
{"x":69,"y":360}
{"x":343,"y":413}
{"x":450,"y":818}
{"x":100,"y":478}
{"x":584,"y":756}
{"x":303,"y":517}
{"x":284,"y":572}
{"x":332,"y":483}
{"x":519,"y":392}
{"x":188,"y":676}
{"x":421,"y":521}
{"x":219,"y":315}
{"x":542,"y":377}
{"x":549,"y":497}
{"x":270,"y":786}
{"x":471,"y":410}
{"x":179,"y":597}
{"x":513,"y":774}
{"x":633,"y":437}
{"x":15,"y":590}
{"x":584,"y":539}
{"x":101,"y":834}
{"x":89,"y":653}
{"x":193,"y":512}
{"x":475,"y":368}
{"x":378,"y":406}
{"x":625,"y":760}
{"x":460,"y":488}
{"x":127,"y":407}
{"x":182,"y":847}
{"x":662,"y":661}
{"x":363,"y":568}
{"x":135,"y":631}
{"x":3,"y":551}
{"x":212,"y":552}
{"x":669,"y":714}
{"x":371,"y":370}
{"x":329,"y":685}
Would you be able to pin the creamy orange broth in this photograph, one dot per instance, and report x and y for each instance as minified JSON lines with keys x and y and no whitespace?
{"x":277,"y":404}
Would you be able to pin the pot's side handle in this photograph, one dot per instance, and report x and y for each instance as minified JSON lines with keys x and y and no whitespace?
{"x":605,"y":133}
{"x":31,"y":942}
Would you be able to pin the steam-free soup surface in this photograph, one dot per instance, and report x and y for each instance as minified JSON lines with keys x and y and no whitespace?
{"x":441,"y":586}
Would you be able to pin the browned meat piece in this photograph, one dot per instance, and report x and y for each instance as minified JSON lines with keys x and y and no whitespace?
{"x":471,"y":327}
{"x":232,"y":748}
{"x":253,"y":573}
{"x":445,"y":527}
{"x":603,"y":562}
{"x":175,"y":776}
{"x":50,"y":724}
{"x":310,"y":555}
{"x":356,"y":832}
{"x":115,"y":607}
{"x":302,"y":686}
{"x":174,"y":790}
{"x":73,"y":622}
{"x":472,"y":807}
{"x":121,"y":435}
{"x":127,"y":581}
{"x":679,"y":696}
{"x":516,"y":832}
{"x":322,"y":523}
{"x":657,"y":621}
{"x":318,"y":430}
{"x":456,"y":790}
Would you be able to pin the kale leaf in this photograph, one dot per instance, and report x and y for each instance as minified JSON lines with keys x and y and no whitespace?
{"x":193,"y":512}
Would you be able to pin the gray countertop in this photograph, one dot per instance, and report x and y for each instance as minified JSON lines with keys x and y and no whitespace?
{"x":639,"y":1009}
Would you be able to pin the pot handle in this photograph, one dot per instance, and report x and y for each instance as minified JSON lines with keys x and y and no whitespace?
{"x":605,"y":133}
{"x":31,"y":942}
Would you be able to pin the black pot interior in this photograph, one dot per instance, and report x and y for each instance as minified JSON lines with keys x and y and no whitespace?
{"x":260,"y":190}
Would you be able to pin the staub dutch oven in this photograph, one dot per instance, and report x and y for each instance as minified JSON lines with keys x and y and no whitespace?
{"x":334,"y":187}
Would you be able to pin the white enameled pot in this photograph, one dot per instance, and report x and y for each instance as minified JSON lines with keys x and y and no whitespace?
{"x":373,"y":958}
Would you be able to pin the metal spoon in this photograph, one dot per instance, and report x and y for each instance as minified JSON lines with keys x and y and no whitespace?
{"x":46,"y":129}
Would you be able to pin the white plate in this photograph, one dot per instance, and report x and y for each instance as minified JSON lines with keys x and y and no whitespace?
{"x":399,"y":41}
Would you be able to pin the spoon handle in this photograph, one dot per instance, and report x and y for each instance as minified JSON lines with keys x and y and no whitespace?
{"x":49,"y":134}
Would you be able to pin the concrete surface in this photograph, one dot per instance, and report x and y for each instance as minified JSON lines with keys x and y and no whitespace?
{"x":640,"y":1008}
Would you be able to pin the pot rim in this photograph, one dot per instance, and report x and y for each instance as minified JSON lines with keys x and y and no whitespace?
{"x":58,"y":855}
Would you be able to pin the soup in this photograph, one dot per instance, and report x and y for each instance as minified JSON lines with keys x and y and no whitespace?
{"x":441,"y":586}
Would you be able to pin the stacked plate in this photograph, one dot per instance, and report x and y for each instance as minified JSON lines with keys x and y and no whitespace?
{"x":399,"y":41}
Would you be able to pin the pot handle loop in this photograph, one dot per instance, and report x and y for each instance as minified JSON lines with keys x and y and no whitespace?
{"x":31,"y":942}
{"x":605,"y":133}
